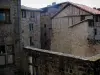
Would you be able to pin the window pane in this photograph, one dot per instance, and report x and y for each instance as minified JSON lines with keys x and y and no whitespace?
{"x":2,"y":49}
{"x":9,"y":49}
{"x":10,"y":59}
{"x":2,"y":60}
{"x":2,"y":16}
{"x":30,"y":27}
{"x":23,"y":14}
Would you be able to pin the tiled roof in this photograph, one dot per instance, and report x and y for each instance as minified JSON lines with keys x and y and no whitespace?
{"x":29,"y":8}
{"x":81,"y":6}
{"x":86,"y":8}
{"x":52,"y":6}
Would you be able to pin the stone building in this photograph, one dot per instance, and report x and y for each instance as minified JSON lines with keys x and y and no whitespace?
{"x":76,"y":30}
{"x":46,"y":23}
{"x":10,"y":45}
{"x":30,"y":24}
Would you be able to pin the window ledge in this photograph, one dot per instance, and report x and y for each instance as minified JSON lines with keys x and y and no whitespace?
{"x":5,"y":23}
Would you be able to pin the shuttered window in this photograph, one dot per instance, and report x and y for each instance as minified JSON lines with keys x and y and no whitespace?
{"x":30,"y":27}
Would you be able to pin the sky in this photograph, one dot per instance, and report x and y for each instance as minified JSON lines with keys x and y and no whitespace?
{"x":44,"y":3}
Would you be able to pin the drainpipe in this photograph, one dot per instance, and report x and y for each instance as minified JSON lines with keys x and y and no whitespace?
{"x":94,"y":18}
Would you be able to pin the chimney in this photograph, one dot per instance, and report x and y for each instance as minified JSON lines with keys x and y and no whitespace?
{"x":98,"y":9}
{"x":54,"y":3}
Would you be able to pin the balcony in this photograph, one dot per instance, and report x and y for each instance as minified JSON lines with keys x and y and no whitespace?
{"x":44,"y":62}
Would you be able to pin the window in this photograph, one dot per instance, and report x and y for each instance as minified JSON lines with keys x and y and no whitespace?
{"x":97,"y":18}
{"x":45,"y":34}
{"x":44,"y":25}
{"x":31,"y":41}
{"x":32,"y":14}
{"x":9,"y":55}
{"x":9,"y":49}
{"x":5,"y":15}
{"x":82,"y":17}
{"x":91,"y":23}
{"x":2,"y":16}
{"x":3,"y":60}
{"x":95,"y":31}
{"x":23,"y":14}
{"x":30,"y":27}
{"x":10,"y":59}
{"x":2,"y":49}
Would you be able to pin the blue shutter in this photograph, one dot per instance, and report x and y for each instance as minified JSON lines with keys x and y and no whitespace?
{"x":2,"y":17}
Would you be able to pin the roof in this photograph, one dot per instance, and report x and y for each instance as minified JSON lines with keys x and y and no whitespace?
{"x":52,"y":6}
{"x":81,"y":6}
{"x":29,"y":8}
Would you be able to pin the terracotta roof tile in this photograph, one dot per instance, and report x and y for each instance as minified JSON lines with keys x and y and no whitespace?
{"x":81,"y":6}
{"x":87,"y":8}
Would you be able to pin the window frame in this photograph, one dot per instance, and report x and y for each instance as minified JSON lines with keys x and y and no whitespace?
{"x":31,"y":41}
{"x":32,"y":14}
{"x":31,"y":27}
{"x":6,"y":54}
{"x":7,"y":16}
{"x":24,"y":14}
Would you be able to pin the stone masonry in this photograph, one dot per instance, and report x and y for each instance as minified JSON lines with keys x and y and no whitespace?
{"x":30,"y":24}
{"x":44,"y":62}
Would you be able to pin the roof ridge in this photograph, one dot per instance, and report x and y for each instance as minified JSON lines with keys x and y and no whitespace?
{"x":81,"y":6}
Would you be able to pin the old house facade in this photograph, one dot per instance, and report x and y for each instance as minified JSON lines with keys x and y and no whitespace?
{"x":76,"y":30}
{"x":46,"y":23}
{"x":30,"y":24}
{"x":10,"y":45}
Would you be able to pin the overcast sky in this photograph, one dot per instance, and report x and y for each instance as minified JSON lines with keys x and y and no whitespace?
{"x":43,"y":3}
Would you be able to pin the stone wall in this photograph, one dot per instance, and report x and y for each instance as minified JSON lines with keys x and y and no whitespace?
{"x":35,"y":33}
{"x":10,"y":33}
{"x":46,"y":24}
{"x":44,"y":62}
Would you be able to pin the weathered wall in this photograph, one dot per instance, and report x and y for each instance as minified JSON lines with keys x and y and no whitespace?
{"x":70,"y":33}
{"x":79,"y":42}
{"x":10,"y":36}
{"x":35,"y":33}
{"x":46,"y":20}
{"x":61,"y":37}
{"x":71,"y":11}
{"x":44,"y":62}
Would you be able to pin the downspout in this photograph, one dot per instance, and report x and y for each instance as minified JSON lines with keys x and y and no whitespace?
{"x":94,"y":18}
